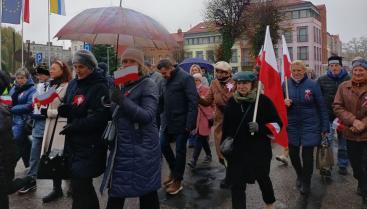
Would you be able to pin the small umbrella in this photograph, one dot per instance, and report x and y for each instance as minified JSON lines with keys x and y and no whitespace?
{"x":186,"y":64}
{"x":112,"y":25}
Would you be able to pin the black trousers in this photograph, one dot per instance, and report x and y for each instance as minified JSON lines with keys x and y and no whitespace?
{"x":357,"y":153}
{"x":147,"y":201}
{"x":304,"y":168}
{"x":4,"y":201}
{"x":238,"y":191}
{"x":84,"y":195}
{"x":202,"y":142}
{"x":23,"y":146}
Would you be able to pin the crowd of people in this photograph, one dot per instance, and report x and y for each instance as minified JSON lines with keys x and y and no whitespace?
{"x":166,"y":106}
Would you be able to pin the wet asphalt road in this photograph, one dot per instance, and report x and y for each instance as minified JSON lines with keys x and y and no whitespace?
{"x":201,"y":190}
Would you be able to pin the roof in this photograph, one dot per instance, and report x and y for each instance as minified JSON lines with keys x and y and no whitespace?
{"x":203,"y":27}
{"x":178,"y":37}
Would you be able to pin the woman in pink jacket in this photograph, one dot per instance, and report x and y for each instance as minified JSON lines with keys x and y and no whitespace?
{"x":203,"y":126}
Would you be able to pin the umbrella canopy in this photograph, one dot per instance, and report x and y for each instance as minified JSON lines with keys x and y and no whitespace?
{"x":186,"y":64}
{"x":109,"y":25}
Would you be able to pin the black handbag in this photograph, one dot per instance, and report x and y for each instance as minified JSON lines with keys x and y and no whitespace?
{"x":226,"y":147}
{"x":53,"y":167}
{"x":109,"y":133}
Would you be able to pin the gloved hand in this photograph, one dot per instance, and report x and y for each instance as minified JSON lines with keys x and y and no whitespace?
{"x":66,"y":130}
{"x":253,"y":127}
{"x":117,"y":96}
{"x":44,"y":112}
{"x":64,"y":110}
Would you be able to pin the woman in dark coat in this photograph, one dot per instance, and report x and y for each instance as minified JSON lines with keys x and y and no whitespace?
{"x":134,"y":164}
{"x":22,"y":94}
{"x":251,"y":156}
{"x":307,"y":121}
{"x":86,"y":120}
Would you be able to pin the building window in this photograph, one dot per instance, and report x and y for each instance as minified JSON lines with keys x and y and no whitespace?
{"x":304,"y":13}
{"x":302,"y":53}
{"x":200,"y":54}
{"x":288,"y":15}
{"x":246,"y":60}
{"x":302,"y":34}
{"x":187,"y":41}
{"x":234,"y":56}
{"x":295,"y":15}
{"x":288,"y":35}
{"x":196,"y":41}
{"x":188,"y":54}
{"x":210,"y":56}
{"x":211,"y":39}
{"x":290,"y":50}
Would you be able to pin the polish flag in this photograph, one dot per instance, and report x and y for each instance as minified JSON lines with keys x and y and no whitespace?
{"x":258,"y":58}
{"x":126,"y":74}
{"x":46,"y":98}
{"x":338,"y":125}
{"x":6,"y":100}
{"x":274,"y":128}
{"x":271,"y":81}
{"x":26,"y":11}
{"x":286,"y":64}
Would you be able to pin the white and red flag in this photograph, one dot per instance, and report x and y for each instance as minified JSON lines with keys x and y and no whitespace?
{"x":286,"y":64}
{"x":46,"y":98}
{"x":126,"y":74}
{"x":258,"y":58}
{"x":271,"y":81}
{"x":6,"y":100}
{"x":338,"y":125}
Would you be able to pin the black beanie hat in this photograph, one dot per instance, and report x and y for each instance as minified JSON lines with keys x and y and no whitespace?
{"x":335,"y":60}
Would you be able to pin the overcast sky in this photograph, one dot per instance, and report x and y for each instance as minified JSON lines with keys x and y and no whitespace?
{"x":345,"y":17}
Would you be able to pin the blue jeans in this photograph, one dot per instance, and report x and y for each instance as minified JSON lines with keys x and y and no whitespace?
{"x":342,"y":154}
{"x":176,"y":163}
{"x":35,"y":156}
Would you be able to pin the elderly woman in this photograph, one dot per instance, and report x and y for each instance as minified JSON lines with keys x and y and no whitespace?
{"x":86,"y":120}
{"x":134,"y":164}
{"x":203,"y":126}
{"x":251,"y":155}
{"x":307,"y":122}
{"x":22,"y":95}
{"x":350,"y":107}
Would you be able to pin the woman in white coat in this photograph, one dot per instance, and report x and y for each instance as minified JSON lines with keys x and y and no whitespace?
{"x":60,"y":75}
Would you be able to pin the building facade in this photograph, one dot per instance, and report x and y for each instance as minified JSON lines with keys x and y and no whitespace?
{"x":334,"y":45}
{"x":56,"y":52}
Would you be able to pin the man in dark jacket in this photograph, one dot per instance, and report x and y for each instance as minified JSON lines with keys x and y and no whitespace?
{"x":87,"y":119}
{"x":180,"y":104}
{"x":329,"y":84}
{"x":7,"y":149}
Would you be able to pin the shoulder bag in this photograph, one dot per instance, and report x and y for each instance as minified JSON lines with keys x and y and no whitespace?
{"x":226,"y":147}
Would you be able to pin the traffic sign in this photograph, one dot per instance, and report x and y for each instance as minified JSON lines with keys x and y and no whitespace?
{"x":39,"y":58}
{"x":88,"y":47}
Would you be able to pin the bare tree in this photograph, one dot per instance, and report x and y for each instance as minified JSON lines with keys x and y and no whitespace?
{"x":357,"y":47}
{"x":228,"y":15}
{"x":260,"y":15}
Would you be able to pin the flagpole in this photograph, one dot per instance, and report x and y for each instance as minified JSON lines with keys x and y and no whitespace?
{"x":22,"y":34}
{"x":259,"y":87}
{"x":48,"y":43}
{"x":286,"y":87}
{"x":1,"y":26}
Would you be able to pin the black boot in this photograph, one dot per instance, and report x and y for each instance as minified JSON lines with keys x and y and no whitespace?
{"x":54,"y":195}
{"x":306,"y":186}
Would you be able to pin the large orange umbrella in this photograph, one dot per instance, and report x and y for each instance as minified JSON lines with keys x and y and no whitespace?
{"x":112,"y":25}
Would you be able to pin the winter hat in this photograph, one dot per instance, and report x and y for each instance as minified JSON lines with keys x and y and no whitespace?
{"x":360,"y":63}
{"x":222,"y":65}
{"x":86,"y":58}
{"x":198,"y":76}
{"x":244,"y":76}
{"x":335,"y":60}
{"x":133,"y":54}
{"x":42,"y":70}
